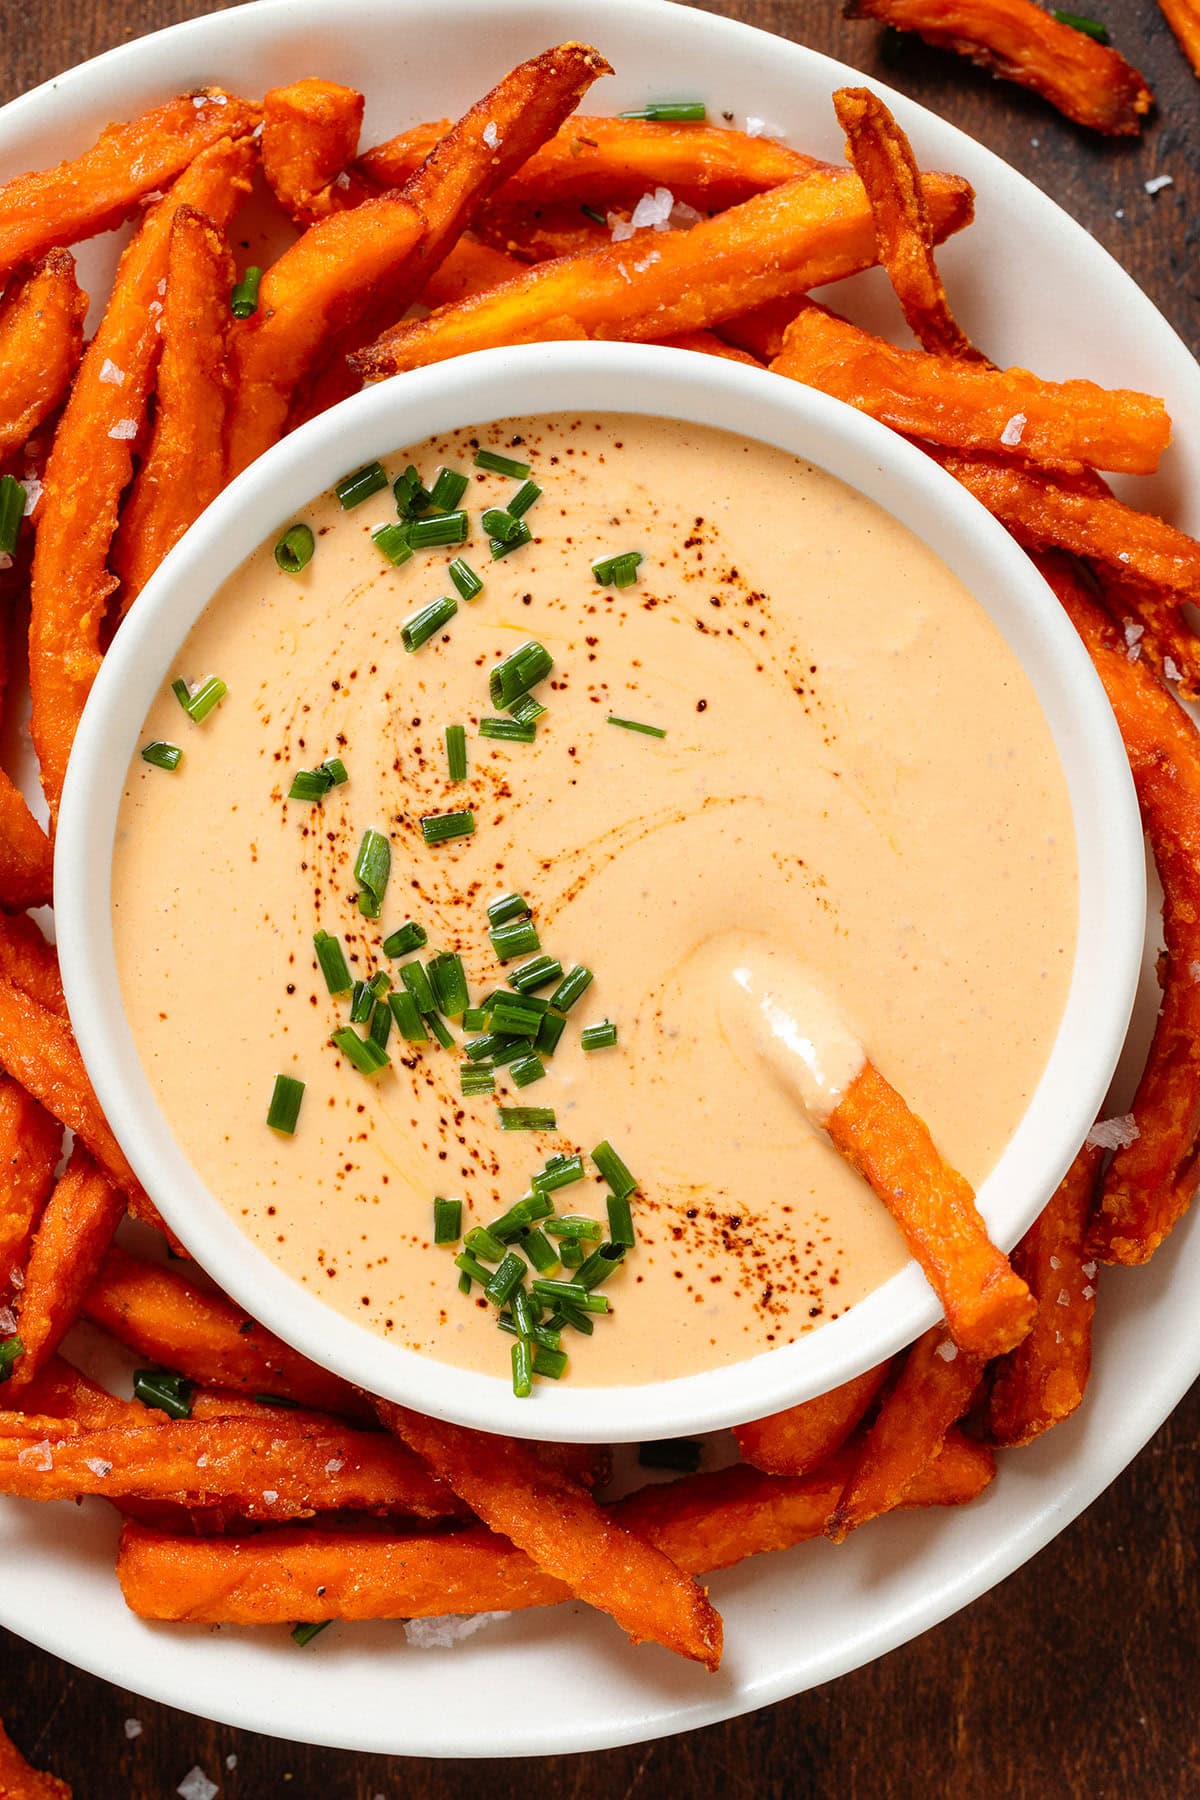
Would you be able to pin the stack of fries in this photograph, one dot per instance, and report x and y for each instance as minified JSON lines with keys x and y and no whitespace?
{"x":258,"y":1488}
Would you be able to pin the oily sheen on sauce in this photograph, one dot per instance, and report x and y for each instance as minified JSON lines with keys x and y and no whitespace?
{"x":855,"y":774}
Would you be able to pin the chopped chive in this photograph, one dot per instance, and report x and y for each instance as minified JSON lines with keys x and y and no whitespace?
{"x":456,"y":752}
{"x":442,"y":528}
{"x":439,"y":828}
{"x":482,"y":1049}
{"x":381,"y":1024}
{"x":284,"y":1109}
{"x":294,"y":551}
{"x":655,"y":731}
{"x":535,"y":974}
{"x":407,"y":1015}
{"x":682,"y":1455}
{"x":572,"y":1253}
{"x":575,"y":982}
{"x":507,"y":1278}
{"x":412,"y":497}
{"x":207,"y":696}
{"x":508,"y":731}
{"x":366,"y":1056}
{"x":613,"y":1170}
{"x":499,"y":523}
{"x":447,"y":1221}
{"x":560,"y":1172}
{"x":1092,"y":28}
{"x":520,"y":1217}
{"x":594,"y":214}
{"x":510,"y":1017}
{"x":243,"y":298}
{"x":448,"y":979}
{"x":527,"y":1118}
{"x":526,"y":710}
{"x":380,"y":984}
{"x":474,"y":1080}
{"x":281,"y":1401}
{"x":620,"y":1222}
{"x":474,"y":1019}
{"x":362,"y":1003}
{"x":465,"y":579}
{"x":506,"y":907}
{"x":474,"y":1270}
{"x":523,"y":499}
{"x":501,"y":546}
{"x":13,"y":499}
{"x":540,"y":1251}
{"x":550,"y":1363}
{"x":449,"y":486}
{"x":182,"y":692}
{"x":670,"y":112}
{"x":167,"y":1393}
{"x":440,"y":1030}
{"x":501,"y":465}
{"x":522,"y":1369}
{"x":335,"y":768}
{"x":549,"y":1032}
{"x":575,"y":1317}
{"x":517,"y":937}
{"x":353,"y":489}
{"x":483,"y":1244}
{"x":409,"y":936}
{"x":601,"y":1036}
{"x":304,"y":1634}
{"x":392,"y":541}
{"x":12,"y":1348}
{"x":526,"y":1070}
{"x":525,"y":1312}
{"x":574,"y":1225}
{"x":512,"y":1050}
{"x":617,"y":571}
{"x":309,"y":784}
{"x":161,"y":755}
{"x":420,"y":626}
{"x":416,"y":980}
{"x":372,"y":866}
{"x":555,"y":1292}
{"x":600,"y":1265}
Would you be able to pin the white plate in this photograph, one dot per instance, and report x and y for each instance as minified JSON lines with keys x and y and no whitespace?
{"x":1031,"y":286}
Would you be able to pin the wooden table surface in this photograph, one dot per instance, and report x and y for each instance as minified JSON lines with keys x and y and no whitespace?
{"x":1077,"y":1676}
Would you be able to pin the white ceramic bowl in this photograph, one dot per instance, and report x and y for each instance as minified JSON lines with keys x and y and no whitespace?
{"x":679,"y":385}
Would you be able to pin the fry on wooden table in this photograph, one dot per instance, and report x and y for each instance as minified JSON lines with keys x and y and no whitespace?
{"x":41,"y":342}
{"x":1183,"y":16}
{"x":20,"y":1781}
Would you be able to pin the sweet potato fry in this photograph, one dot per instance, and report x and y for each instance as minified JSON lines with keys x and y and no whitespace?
{"x":30,"y":1145}
{"x":76,"y":1229}
{"x":18,"y":1781}
{"x":183,"y":467}
{"x":783,"y":242}
{"x":702,"y":1522}
{"x":707,"y":343}
{"x":988,"y":1308}
{"x":92,"y":461}
{"x":28,"y":962}
{"x":804,"y":1437}
{"x":41,"y":341}
{"x":61,"y":1391}
{"x":933,"y":1389}
{"x":1183,"y":17}
{"x":535,"y":234}
{"x":471,"y":268}
{"x":164,"y":1316}
{"x":103,"y":187}
{"x":567,"y":1535}
{"x":760,"y":332}
{"x":1067,"y":425}
{"x":883,"y":160}
{"x":310,"y":134}
{"x":1042,"y":1381}
{"x":26,"y":858}
{"x":1088,"y":82}
{"x":355,"y":270}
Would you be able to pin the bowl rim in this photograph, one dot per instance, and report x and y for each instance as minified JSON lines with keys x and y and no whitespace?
{"x":477,"y":390}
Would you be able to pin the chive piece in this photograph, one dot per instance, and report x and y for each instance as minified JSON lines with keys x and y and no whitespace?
{"x":1092,"y":28}
{"x":550,"y":1363}
{"x":620,"y":1222}
{"x":522,"y":1369}
{"x":412,"y":497}
{"x":518,"y":1219}
{"x":417,"y":981}
{"x":526,"y":1070}
{"x":508,"y":731}
{"x":13,"y":499}
{"x":572,"y":1253}
{"x":308,"y":784}
{"x":294,"y":551}
{"x":594,"y":214}
{"x":485,"y":1245}
{"x":501,"y":465}
{"x":600,"y":1265}
{"x":526,"y":710}
{"x":392,"y":541}
{"x":167,"y":1393}
{"x":464,"y":1284}
{"x":508,"y":1277}
{"x":449,"y":486}
{"x":182,"y":692}
{"x":208,"y":695}
{"x":549,"y":1032}
{"x":534,"y":1002}
{"x":573,"y":984}
{"x":420,"y":626}
{"x":617,"y":571}
{"x":409,"y":936}
{"x":243,"y":298}
{"x":536,"y":973}
{"x":304,"y":1634}
{"x":353,"y":489}
{"x":506,"y":907}
{"x":510,"y":1017}
{"x":482,"y":1049}
{"x":510,"y":1051}
{"x":682,"y":1455}
{"x":335,"y":768}
{"x":525,"y":1312}
{"x":574,"y":1225}
{"x":448,"y":979}
{"x":366,"y":1056}
{"x":560,"y":1172}
{"x":502,"y":546}
{"x":474,"y":1019}
{"x":523,"y":499}
{"x":372,"y":866}
{"x":443,"y":528}
{"x":499,"y":523}
{"x":11,"y":1348}
{"x":465,"y":579}
{"x":527,"y":1118}
{"x":447,"y":1221}
{"x":440,"y":1030}
{"x":381,"y":1024}
{"x":439,"y":828}
{"x":380,"y":985}
{"x":407,"y":1015}
{"x":516,"y":938}
{"x":361,"y":1003}
{"x":474,"y":1080}
{"x":161,"y":755}
{"x":284,"y":1109}
{"x":654,"y":731}
{"x":670,"y":112}
{"x":456,"y":752}
{"x":613,"y":1170}
{"x":555,"y":1292}
{"x":601,"y":1036}
{"x":474,"y":1270}
{"x":281,"y":1401}
{"x":540,"y":1251}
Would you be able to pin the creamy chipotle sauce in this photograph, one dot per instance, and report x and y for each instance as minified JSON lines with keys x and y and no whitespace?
{"x":854,"y":837}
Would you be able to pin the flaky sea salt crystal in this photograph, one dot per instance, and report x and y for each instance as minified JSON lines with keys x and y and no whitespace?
{"x":1157,"y":183}
{"x":101,"y":1469}
{"x":652,"y":210}
{"x":110,"y":373}
{"x":947,"y":1351}
{"x":1088,"y":1291}
{"x":33,"y":492}
{"x":202,"y":1460}
{"x":8,"y":1321}
{"x":442,"y":1633}
{"x":1055,"y":1262}
{"x":1171,"y":669}
{"x":1133,"y":631}
{"x":756,"y":127}
{"x":37,"y":1456}
{"x":124,"y":429}
{"x":647,"y":261}
{"x":1113,"y":1134}
{"x":270,"y":1496}
{"x":1064,"y":1299}
{"x":197,"y":1786}
{"x":133,"y":1729}
{"x":1089,"y":1270}
{"x":231,"y":1760}
{"x":334,"y":1465}
{"x":1012,"y":431}
{"x":491,"y":135}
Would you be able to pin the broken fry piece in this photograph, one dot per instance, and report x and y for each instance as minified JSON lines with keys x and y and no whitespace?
{"x":19,"y":1781}
{"x":309,"y":136}
{"x":76,"y":1229}
{"x":804,"y":1437}
{"x":1089,"y":82}
{"x":41,"y":341}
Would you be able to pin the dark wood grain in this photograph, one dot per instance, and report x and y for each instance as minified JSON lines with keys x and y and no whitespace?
{"x":1078,"y":1676}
